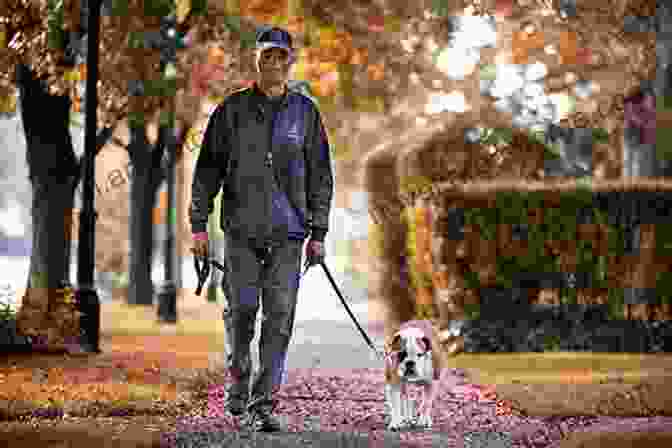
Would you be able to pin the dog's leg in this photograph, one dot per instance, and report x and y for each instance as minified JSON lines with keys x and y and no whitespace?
{"x":408,"y":417}
{"x":425,"y":409}
{"x":393,"y":398}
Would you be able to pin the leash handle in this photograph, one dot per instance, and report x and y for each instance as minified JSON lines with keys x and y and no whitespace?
{"x":202,"y":272}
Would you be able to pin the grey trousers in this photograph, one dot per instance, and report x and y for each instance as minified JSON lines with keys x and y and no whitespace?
{"x":274,"y":273}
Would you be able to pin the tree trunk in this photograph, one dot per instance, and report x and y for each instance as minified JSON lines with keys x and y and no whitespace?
{"x":141,"y":234}
{"x":53,"y":173}
{"x":146,"y":177}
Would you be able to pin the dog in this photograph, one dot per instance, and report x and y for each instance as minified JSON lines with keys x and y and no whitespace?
{"x":418,"y":354}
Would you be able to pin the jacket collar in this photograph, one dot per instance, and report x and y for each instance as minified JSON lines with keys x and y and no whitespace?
{"x":261,"y":95}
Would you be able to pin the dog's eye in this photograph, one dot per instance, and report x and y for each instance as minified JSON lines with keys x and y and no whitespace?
{"x":402,"y":356}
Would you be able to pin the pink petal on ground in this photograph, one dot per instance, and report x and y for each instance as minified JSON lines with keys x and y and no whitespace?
{"x":584,"y":56}
{"x":330,"y":77}
{"x":504,"y":8}
{"x":377,"y":24}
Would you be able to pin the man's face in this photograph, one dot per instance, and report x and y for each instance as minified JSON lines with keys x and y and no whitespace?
{"x":274,"y":65}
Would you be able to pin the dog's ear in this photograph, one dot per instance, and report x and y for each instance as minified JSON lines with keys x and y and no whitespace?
{"x":427,"y":344}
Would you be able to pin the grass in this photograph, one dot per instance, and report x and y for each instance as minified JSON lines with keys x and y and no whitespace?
{"x":561,"y":367}
{"x":121,"y":319}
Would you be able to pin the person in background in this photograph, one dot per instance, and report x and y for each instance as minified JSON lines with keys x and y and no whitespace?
{"x":267,"y":148}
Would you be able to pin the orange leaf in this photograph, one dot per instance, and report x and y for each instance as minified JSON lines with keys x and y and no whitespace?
{"x":519,"y":48}
{"x":376,"y":72}
{"x":424,"y":296}
{"x":568,"y":47}
{"x":358,"y":56}
{"x":216,"y":56}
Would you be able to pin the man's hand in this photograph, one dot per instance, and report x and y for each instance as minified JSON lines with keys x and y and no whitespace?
{"x":200,"y":248}
{"x":314,"y":253}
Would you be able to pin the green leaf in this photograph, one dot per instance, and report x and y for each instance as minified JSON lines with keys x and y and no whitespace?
{"x":161,"y":87}
{"x":552,"y":151}
{"x":537,"y":135}
{"x":199,"y":7}
{"x":38,"y":280}
{"x":56,"y":39}
{"x":167,"y":118}
{"x":615,"y":303}
{"x":535,"y":199}
{"x":136,"y":119}
{"x":584,"y":182}
{"x":505,"y":134}
{"x":471,"y":280}
{"x":600,"y":135}
{"x":488,"y":72}
{"x":158,"y":8}
{"x":232,"y":23}
{"x":119,"y":8}
{"x":440,"y":8}
{"x":663,"y":143}
{"x":663,"y":239}
{"x":472,"y":310}
{"x":77,"y":119}
{"x":666,"y":102}
{"x":170,"y":72}
{"x":599,"y":216}
{"x":136,"y":40}
{"x":494,"y":136}
{"x":551,"y":343}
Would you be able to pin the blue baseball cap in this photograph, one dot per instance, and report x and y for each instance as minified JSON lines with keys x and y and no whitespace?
{"x":274,"y":37}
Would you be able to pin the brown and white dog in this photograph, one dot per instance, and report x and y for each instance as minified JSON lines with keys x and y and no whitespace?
{"x":418,"y":354}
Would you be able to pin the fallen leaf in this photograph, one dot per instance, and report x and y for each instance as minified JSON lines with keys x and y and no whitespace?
{"x":504,"y":8}
{"x":584,"y":56}
{"x":377,"y":23}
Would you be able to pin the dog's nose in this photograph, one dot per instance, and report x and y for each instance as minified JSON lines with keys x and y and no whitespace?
{"x":410,"y":365}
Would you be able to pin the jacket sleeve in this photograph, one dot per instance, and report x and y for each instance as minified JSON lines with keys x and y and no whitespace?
{"x":320,"y":179}
{"x":209,"y":171}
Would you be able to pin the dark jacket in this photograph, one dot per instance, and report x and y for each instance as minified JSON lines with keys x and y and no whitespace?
{"x":274,"y":168}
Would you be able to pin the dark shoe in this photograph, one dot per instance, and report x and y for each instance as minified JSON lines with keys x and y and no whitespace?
{"x":260,"y":416}
{"x":236,"y":401}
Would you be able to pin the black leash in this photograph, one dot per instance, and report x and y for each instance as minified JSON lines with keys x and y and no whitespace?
{"x":204,"y":271}
{"x":379,"y":355}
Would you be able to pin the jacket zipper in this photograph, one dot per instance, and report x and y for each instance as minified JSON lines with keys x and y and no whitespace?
{"x":269,"y":165}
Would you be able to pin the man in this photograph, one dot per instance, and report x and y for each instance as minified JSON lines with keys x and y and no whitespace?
{"x":266,"y":147}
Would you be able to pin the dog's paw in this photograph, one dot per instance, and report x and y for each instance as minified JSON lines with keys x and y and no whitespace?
{"x":410,"y":422}
{"x":424,"y":421}
{"x":396,"y":425}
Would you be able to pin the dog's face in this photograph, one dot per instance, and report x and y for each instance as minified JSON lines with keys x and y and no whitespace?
{"x":414,"y":356}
